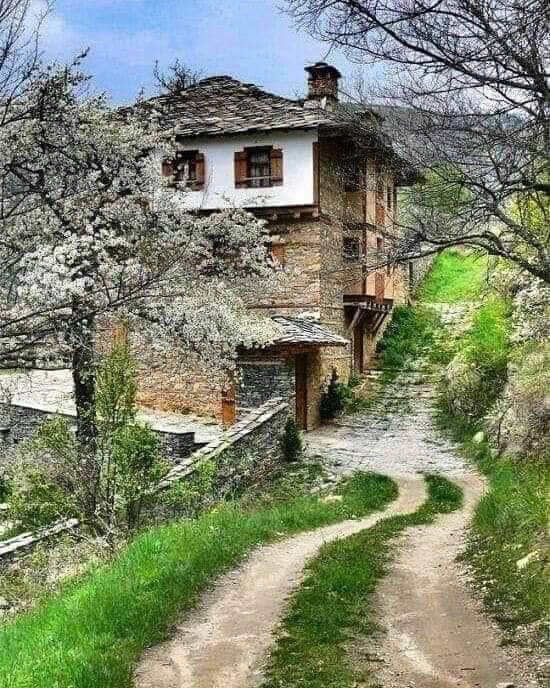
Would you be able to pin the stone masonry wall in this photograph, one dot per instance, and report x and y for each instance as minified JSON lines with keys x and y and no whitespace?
{"x":172,"y":381}
{"x":245,"y":454}
{"x":261,"y":378}
{"x":18,"y":423}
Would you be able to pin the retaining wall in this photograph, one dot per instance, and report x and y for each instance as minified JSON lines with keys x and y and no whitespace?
{"x":247,"y":452}
{"x":18,"y":423}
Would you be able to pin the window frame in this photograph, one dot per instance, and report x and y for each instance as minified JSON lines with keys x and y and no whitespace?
{"x":355,"y":254}
{"x":243,"y":163}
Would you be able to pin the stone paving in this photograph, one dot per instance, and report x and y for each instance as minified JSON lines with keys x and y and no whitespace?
{"x":396,"y":436}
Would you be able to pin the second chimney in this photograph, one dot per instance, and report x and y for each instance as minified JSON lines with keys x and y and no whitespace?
{"x":323,"y":84}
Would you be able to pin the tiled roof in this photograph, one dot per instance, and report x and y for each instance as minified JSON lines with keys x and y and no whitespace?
{"x":306,"y":331}
{"x":223,"y":105}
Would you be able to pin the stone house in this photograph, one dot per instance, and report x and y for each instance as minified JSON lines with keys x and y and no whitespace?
{"x":329,"y":196}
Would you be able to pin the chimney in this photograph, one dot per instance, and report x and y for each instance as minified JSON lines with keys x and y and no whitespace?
{"x":322,"y":85}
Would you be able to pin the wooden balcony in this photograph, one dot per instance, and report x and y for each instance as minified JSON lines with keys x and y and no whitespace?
{"x":368,"y":303}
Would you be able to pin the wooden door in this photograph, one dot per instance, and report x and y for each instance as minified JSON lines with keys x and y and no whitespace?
{"x":229,"y":406}
{"x":358,"y":342}
{"x":379,"y":287}
{"x":301,"y":368}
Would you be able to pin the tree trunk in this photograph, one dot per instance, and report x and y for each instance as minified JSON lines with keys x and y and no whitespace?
{"x":84,"y":380}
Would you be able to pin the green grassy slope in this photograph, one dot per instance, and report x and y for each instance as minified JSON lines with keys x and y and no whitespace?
{"x":455,"y":276}
{"x":91,"y":635}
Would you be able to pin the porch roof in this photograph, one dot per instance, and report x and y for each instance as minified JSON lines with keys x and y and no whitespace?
{"x":306,"y":331}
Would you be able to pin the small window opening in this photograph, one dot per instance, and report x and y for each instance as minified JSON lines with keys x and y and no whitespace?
{"x":351,"y":248}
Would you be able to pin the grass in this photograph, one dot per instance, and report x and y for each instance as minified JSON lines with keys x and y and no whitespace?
{"x":334,"y":604}
{"x":455,"y":276}
{"x":408,"y":336}
{"x":91,"y":634}
{"x":510,"y":523}
{"x":485,"y":349}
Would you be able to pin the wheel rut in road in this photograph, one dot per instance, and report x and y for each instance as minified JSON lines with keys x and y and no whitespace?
{"x":436,"y":634}
{"x":224,"y":642}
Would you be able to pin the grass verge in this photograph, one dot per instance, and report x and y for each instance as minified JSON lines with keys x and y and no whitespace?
{"x":334,"y":602}
{"x":508,"y":551}
{"x":455,"y":276}
{"x":91,"y":634}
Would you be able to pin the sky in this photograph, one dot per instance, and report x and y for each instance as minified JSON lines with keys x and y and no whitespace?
{"x":251,"y":40}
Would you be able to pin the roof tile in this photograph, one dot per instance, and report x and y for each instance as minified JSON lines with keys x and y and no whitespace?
{"x":223,"y":105}
{"x":306,"y":331}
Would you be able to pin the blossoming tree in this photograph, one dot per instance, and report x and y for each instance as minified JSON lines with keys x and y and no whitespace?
{"x":89,"y":233}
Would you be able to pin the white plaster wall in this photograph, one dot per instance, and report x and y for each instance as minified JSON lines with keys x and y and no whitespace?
{"x":220,"y":191}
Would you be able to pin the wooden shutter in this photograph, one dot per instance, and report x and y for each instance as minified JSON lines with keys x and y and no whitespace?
{"x":380,"y":214}
{"x":278,"y":253}
{"x":379,"y":287}
{"x":199,"y":168}
{"x":241,"y":169}
{"x":167,"y":168}
{"x":229,"y":405}
{"x":276,"y":167}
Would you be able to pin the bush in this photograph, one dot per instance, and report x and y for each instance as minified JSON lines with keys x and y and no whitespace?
{"x":291,"y":442}
{"x":333,"y":400}
{"x":520,"y":421}
{"x":4,"y":488}
{"x":106,"y":491}
{"x":38,"y":501}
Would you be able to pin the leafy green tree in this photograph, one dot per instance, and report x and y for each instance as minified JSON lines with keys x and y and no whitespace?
{"x":50,"y":479}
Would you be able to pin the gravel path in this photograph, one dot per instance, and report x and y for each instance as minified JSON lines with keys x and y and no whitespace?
{"x":222,"y":644}
{"x":396,"y":437}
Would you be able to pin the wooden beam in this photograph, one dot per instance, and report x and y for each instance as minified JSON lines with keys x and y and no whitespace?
{"x":357,"y":316}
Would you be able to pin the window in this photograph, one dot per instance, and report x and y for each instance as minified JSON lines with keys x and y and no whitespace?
{"x":258,"y":167}
{"x":352,"y":248}
{"x":185,"y":166}
{"x":389,"y":196}
{"x":278,"y":254}
{"x":186,"y":169}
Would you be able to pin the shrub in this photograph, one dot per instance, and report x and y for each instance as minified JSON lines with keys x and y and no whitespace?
{"x":4,"y":488}
{"x":291,"y":442}
{"x":38,"y":501}
{"x":50,"y":479}
{"x":520,"y":420}
{"x":137,"y":465}
{"x":333,"y":399}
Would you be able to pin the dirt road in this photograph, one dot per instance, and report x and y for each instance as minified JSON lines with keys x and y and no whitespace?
{"x":436,"y":635}
{"x":223,"y":643}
